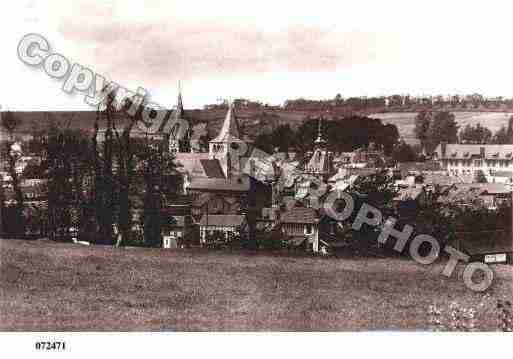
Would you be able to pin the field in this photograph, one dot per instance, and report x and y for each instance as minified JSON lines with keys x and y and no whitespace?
{"x":54,"y":286}
{"x":405,"y":120}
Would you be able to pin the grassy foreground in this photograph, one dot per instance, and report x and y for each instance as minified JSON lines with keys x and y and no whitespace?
{"x":52,"y":286}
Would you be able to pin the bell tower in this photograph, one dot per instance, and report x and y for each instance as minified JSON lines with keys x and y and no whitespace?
{"x":226,"y":147}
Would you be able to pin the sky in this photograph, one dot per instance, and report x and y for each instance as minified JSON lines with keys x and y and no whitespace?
{"x":265,"y":50}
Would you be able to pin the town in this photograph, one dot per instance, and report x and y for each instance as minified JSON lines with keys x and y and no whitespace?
{"x":110,"y":182}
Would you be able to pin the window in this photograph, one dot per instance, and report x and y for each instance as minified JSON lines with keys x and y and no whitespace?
{"x":478,"y":163}
{"x":308,"y":229}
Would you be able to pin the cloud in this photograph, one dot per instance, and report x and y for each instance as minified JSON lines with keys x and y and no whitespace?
{"x":160,"y":51}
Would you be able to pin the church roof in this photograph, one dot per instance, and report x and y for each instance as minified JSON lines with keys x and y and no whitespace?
{"x":169,"y":125}
{"x":188,"y":160}
{"x":230,"y":130}
{"x":212,"y":168}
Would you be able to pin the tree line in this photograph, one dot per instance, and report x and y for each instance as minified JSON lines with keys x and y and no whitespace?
{"x":431,"y":128}
{"x":105,"y":191}
{"x":341,"y":134}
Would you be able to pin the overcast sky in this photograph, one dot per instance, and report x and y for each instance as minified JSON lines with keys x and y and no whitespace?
{"x":265,"y":50}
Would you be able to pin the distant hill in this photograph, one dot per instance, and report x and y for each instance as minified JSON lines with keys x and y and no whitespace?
{"x":405,"y":121}
{"x":252,"y":121}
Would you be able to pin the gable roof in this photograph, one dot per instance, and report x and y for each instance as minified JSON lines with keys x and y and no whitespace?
{"x":212,"y":168}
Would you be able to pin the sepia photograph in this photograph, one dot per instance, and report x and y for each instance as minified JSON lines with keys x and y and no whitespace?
{"x":304,"y":175}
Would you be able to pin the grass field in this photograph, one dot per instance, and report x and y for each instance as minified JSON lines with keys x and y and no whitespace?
{"x":405,"y":121}
{"x":54,"y":286}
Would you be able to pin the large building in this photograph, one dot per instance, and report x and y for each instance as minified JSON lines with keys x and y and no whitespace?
{"x":495,"y":162}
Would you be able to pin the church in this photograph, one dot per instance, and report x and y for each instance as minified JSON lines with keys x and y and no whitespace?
{"x":214,"y":181}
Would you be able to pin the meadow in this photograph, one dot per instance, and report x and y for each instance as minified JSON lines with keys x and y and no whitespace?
{"x":405,"y":121}
{"x":48,"y":286}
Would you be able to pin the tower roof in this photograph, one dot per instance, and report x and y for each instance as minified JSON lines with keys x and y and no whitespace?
{"x":179,"y":103}
{"x":319,"y":141}
{"x":169,"y":125}
{"x":230,"y":131}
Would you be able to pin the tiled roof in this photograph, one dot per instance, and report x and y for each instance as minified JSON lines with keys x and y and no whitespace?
{"x":220,"y":184}
{"x":300,"y":215}
{"x":187,"y":160}
{"x":231,"y":220}
{"x":464,"y":151}
{"x":212,"y":168}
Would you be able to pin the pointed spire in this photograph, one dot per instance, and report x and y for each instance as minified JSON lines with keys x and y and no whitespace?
{"x":230,"y":129}
{"x":179,"y":103}
{"x":320,"y":140}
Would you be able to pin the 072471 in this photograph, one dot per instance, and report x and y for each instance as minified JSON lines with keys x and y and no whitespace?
{"x":50,"y":346}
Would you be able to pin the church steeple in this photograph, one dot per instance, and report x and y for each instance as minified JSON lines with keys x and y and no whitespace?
{"x":179,"y":102}
{"x":172,"y":124}
{"x":226,"y":147}
{"x":319,"y":141}
{"x":230,"y":130}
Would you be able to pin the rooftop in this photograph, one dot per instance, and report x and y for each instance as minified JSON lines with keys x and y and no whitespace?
{"x":222,"y":220}
{"x":302,"y":215}
{"x":240,"y":184}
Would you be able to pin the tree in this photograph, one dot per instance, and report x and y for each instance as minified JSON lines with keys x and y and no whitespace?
{"x":377,"y":189}
{"x":509,"y":132}
{"x":475,"y":134}
{"x":501,"y":136}
{"x":403,"y":153}
{"x":348,"y":133}
{"x":422,"y":123}
{"x":68,"y":165}
{"x":443,"y":127}
{"x":161,"y":182}
{"x":12,"y":153}
{"x":283,"y":137}
{"x":103,"y":187}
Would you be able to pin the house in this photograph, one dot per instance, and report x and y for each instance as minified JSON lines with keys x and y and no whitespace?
{"x":218,"y":195}
{"x":222,"y":227}
{"x":178,"y":226}
{"x":300,"y":227}
{"x":491,"y":195}
{"x":472,"y":159}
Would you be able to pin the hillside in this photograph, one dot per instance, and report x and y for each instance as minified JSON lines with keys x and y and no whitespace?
{"x":405,"y":121}
{"x":255,"y":121}
{"x":51,"y":286}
